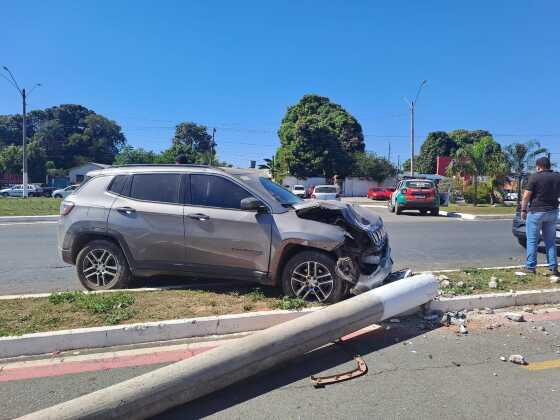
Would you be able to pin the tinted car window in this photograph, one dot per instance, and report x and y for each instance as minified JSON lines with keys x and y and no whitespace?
{"x":420,"y":184}
{"x":163,"y":188}
{"x":215,"y":191}
{"x":117,"y":184}
{"x":328,"y":190}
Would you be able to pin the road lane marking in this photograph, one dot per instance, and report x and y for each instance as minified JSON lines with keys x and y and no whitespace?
{"x":547,"y":364}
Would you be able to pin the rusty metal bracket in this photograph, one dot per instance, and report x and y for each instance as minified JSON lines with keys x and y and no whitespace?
{"x":361,"y":369}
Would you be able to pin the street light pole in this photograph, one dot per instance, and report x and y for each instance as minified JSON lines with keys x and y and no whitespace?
{"x":412,"y":108}
{"x":24,"y":95}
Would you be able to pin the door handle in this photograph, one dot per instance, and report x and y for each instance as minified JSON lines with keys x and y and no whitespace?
{"x":198,"y":216}
{"x":126,"y":210}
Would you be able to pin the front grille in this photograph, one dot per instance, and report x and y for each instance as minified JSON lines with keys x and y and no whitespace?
{"x":378,"y":237}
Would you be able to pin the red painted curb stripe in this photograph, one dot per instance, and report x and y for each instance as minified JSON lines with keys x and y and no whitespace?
{"x":65,"y":368}
{"x":551,"y":316}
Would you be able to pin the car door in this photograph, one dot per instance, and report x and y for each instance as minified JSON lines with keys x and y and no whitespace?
{"x":147,"y":216}
{"x":221,"y":239}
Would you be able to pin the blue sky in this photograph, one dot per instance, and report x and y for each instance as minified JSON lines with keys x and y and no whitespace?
{"x":237,"y":66}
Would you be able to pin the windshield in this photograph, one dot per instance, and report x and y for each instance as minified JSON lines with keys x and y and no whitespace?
{"x":285,"y":197}
{"x":328,"y":190}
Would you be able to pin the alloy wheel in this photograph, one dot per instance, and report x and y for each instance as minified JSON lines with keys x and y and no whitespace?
{"x":312,"y":280}
{"x":100,"y":268}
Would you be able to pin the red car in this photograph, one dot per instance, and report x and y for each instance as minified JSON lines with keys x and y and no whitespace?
{"x":380,"y":193}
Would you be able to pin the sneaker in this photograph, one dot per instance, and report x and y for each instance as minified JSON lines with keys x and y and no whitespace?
{"x":553,"y":272}
{"x":529,"y":270}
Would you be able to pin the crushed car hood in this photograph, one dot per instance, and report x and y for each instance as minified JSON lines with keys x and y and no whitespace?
{"x":324,"y":211}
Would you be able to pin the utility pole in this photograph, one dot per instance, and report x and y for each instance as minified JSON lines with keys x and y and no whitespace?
{"x":212,"y":147}
{"x":272,"y":167}
{"x":389,"y":154}
{"x":24,"y":95}
{"x":412,"y":108}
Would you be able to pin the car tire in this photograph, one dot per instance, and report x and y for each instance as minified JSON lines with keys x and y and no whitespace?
{"x":101,"y":265}
{"x":435,"y":212}
{"x":314,"y":263}
{"x":57,"y":196}
{"x":398,"y":209}
{"x":423,"y":212}
{"x":5,"y":194}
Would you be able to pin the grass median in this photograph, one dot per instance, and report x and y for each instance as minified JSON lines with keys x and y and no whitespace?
{"x":480,"y":209}
{"x":32,"y":206}
{"x":478,"y":281}
{"x":67,"y":310}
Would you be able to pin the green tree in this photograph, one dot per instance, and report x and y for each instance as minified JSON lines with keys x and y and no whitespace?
{"x":482,"y":158}
{"x":193,"y":141}
{"x":318,"y":138}
{"x":129,"y":155}
{"x":438,"y":143}
{"x":519,"y":155}
{"x":463,"y":137}
{"x":369,"y":165}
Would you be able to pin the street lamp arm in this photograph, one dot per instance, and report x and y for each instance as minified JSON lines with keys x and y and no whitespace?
{"x":33,"y":88}
{"x":407,"y":101}
{"x":424,"y":82}
{"x":11,"y":83}
{"x":14,"y":82}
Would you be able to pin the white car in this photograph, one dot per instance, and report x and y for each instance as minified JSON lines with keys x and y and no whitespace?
{"x":511,"y":196}
{"x":65,"y":192}
{"x":17,"y":191}
{"x":298,"y":190}
{"x":325,"y":192}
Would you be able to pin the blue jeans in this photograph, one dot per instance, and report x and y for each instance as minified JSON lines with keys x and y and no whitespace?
{"x":545,"y":222}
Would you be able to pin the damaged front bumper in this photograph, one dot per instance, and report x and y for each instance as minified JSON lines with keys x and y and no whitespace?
{"x":369,"y":281}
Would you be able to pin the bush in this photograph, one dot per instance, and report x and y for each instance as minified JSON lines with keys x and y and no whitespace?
{"x":484,"y":193}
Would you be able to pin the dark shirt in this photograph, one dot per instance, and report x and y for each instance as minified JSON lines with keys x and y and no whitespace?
{"x":545,"y":189}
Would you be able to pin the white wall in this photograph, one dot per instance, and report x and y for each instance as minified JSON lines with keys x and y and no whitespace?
{"x":290,"y":181}
{"x":81,"y":170}
{"x":358,"y":187}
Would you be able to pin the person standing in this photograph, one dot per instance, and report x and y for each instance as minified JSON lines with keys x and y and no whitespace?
{"x":539,"y":208}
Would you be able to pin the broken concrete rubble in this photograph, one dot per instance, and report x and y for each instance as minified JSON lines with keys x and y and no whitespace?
{"x":518,"y":359}
{"x":515,"y":317}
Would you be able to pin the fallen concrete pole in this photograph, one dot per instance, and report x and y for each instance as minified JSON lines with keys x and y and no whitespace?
{"x":181,"y":382}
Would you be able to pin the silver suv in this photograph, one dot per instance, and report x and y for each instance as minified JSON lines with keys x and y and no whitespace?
{"x":147,"y":220}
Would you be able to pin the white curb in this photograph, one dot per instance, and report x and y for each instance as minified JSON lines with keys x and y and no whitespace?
{"x":17,"y":219}
{"x":468,"y":216}
{"x":53,"y":341}
{"x":496,"y":300}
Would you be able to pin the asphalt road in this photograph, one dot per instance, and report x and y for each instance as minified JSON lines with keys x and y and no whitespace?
{"x":413,"y":374}
{"x":29,"y":262}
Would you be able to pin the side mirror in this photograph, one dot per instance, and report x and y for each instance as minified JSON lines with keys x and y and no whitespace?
{"x":251,"y":203}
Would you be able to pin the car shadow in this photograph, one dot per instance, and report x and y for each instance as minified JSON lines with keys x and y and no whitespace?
{"x":316,"y":362}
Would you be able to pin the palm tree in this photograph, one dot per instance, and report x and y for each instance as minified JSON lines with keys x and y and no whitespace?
{"x":519,"y":155}
{"x":483,"y":158}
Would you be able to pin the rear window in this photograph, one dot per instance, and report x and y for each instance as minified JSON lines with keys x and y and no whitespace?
{"x":421,"y":185}
{"x":298,"y":187}
{"x":327,"y":190}
{"x":161,"y":188}
{"x":117,"y":184}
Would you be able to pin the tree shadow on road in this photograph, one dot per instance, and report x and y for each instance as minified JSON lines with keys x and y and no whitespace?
{"x":316,"y":362}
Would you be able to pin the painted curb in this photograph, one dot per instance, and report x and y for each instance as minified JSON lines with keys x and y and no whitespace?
{"x":468,"y":216}
{"x":496,"y":300}
{"x":54,"y":341}
{"x":16,"y":219}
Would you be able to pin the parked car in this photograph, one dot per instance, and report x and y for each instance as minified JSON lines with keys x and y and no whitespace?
{"x":65,"y":192}
{"x":17,"y":191}
{"x":415,"y":194}
{"x":299,"y":190}
{"x":227,"y":223}
{"x":519,"y":232}
{"x":325,"y":192}
{"x":380,"y":193}
{"x":511,"y":196}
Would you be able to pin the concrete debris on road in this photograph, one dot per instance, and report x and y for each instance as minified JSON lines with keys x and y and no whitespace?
{"x":554,"y":279}
{"x":488,"y":311}
{"x":520,"y":273}
{"x":463,"y":329}
{"x":515,"y":317}
{"x":503,"y":359}
{"x":528,"y":309}
{"x":541,"y":328}
{"x":517,"y":359}
{"x":445,"y":284}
